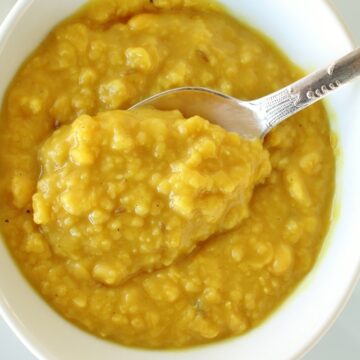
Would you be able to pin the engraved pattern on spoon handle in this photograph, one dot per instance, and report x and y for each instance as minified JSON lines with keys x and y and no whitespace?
{"x":278,"y":106}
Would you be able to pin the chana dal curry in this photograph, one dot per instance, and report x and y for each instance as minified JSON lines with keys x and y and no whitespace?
{"x":143,"y":226}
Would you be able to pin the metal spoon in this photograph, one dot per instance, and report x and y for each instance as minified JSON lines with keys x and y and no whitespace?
{"x":254,"y":119}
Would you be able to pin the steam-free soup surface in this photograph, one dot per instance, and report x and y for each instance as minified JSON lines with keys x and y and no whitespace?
{"x":145,"y":227}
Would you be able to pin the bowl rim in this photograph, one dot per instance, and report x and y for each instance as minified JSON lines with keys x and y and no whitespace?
{"x":356,"y":277}
{"x":14,"y":323}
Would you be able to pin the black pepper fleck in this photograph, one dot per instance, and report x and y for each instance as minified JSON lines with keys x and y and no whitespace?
{"x":203,"y":56}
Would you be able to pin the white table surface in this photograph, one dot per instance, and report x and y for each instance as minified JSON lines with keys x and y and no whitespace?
{"x":343,"y":339}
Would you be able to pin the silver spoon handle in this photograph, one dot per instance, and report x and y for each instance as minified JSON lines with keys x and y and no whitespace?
{"x":278,"y":106}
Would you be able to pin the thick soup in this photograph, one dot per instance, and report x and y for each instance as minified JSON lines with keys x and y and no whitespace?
{"x":145,"y":227}
{"x":132,"y":191}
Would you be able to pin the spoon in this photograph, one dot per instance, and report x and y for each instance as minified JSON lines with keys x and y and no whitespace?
{"x":254,"y":119}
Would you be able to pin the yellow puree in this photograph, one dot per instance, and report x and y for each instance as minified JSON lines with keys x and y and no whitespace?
{"x":142,"y":226}
{"x":133,"y":191}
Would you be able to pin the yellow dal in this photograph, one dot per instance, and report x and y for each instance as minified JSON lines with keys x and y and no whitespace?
{"x":132,"y":191}
{"x":113,"y":191}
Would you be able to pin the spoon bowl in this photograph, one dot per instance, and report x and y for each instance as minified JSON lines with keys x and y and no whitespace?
{"x":230,"y":113}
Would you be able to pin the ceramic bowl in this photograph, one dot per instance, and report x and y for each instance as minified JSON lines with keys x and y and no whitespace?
{"x":311,"y":35}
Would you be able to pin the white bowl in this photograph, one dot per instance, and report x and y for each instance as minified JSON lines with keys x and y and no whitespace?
{"x":310,"y":33}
